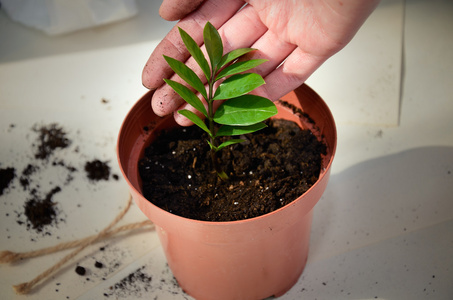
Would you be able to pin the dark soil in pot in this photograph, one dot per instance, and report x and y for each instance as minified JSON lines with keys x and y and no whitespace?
{"x":273,"y":167}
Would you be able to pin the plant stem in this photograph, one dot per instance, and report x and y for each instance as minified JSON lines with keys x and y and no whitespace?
{"x":211,"y":126}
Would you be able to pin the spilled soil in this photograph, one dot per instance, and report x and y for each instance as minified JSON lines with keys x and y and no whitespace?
{"x":97,"y":170}
{"x":40,"y":210}
{"x":6,"y":177}
{"x":50,"y":138}
{"x":135,"y":283}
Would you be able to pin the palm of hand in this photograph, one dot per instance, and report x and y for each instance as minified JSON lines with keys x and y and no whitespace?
{"x":300,"y":33}
{"x":319,"y":28}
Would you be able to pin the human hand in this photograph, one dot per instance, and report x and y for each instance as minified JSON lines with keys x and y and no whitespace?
{"x":297,"y":37}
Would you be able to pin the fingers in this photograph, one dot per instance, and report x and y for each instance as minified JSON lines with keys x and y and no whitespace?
{"x":280,"y":78}
{"x":240,"y":31}
{"x":173,"y":10}
{"x":215,"y":11}
{"x":270,"y":48}
{"x":273,"y":49}
{"x":292,"y":73}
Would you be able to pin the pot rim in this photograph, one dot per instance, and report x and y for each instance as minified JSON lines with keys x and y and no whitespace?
{"x":325,"y":170}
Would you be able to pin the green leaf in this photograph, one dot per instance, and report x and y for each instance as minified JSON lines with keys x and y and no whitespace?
{"x":228,"y":143}
{"x":187,"y":75}
{"x":232,"y":55}
{"x":195,"y":119}
{"x":213,"y":44}
{"x":227,"y":130}
{"x":240,"y":67}
{"x":245,"y":110}
{"x":196,"y":53}
{"x":187,"y":95}
{"x":238,"y":85}
{"x":211,"y":146}
{"x":223,"y":175}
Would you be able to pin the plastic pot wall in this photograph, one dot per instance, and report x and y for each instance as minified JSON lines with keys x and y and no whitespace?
{"x":249,"y":259}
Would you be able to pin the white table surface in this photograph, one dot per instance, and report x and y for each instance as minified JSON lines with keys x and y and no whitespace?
{"x":382,"y":230}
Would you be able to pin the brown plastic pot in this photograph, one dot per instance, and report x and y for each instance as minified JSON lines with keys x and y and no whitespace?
{"x":249,"y":259}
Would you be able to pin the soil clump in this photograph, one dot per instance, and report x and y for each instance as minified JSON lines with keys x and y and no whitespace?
{"x":97,"y":170}
{"x":50,"y":138}
{"x":6,"y":177}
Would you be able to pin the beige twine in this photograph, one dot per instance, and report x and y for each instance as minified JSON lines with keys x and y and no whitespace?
{"x":25,"y":288}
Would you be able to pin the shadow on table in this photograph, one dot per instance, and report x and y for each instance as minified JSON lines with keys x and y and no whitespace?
{"x":384,"y":225}
{"x":385,"y":197}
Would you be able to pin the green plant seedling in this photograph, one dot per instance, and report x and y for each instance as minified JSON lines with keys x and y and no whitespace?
{"x":240,"y":113}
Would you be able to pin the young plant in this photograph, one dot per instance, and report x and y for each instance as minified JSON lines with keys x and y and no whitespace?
{"x":240,"y":113}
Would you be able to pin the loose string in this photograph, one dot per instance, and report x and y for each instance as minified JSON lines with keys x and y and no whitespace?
{"x":26,"y":287}
{"x":11,"y":257}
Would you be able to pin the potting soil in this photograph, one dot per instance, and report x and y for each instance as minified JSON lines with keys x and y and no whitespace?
{"x":273,"y":167}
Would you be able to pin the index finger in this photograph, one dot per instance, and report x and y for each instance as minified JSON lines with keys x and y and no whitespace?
{"x":173,"y":10}
{"x":156,"y":68}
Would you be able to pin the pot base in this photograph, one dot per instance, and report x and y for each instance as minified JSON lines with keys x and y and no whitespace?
{"x":240,"y":270}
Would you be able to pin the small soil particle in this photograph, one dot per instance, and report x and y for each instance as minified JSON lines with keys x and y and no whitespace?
{"x":98,"y":265}
{"x":80,"y":270}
